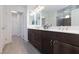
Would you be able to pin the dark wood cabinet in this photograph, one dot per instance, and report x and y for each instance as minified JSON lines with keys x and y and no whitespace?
{"x":34,"y":37}
{"x":50,"y":42}
{"x":60,"y":47}
{"x":64,"y":48}
{"x":47,"y":42}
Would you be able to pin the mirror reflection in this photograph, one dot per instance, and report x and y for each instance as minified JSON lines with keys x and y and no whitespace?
{"x":54,"y":15}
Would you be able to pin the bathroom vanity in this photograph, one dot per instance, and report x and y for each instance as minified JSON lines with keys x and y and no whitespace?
{"x":54,"y":42}
{"x":63,"y":37}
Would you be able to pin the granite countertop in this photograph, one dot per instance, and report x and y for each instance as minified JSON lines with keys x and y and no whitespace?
{"x":57,"y":30}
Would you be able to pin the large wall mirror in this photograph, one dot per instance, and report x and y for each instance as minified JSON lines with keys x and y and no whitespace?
{"x":68,"y":16}
{"x":62,"y":15}
{"x":54,"y":15}
{"x":35,"y":15}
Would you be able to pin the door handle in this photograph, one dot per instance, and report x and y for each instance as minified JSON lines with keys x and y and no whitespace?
{"x":3,"y":28}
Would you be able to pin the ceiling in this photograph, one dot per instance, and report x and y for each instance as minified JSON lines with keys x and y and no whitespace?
{"x":49,"y":8}
{"x":54,"y":8}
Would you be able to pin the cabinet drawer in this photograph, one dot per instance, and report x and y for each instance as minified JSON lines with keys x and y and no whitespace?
{"x":68,"y":38}
{"x":64,"y":48}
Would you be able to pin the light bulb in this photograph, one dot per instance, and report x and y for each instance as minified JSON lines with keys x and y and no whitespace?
{"x":67,"y":16}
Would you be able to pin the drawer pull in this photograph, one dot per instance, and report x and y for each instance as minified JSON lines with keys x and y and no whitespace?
{"x":50,"y":42}
{"x":53,"y":42}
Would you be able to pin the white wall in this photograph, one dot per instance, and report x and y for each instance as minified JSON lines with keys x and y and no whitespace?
{"x":75,"y":17}
{"x":22,"y":29}
{"x":6,"y":23}
{"x":1,"y":30}
{"x":5,"y":28}
{"x":50,"y":17}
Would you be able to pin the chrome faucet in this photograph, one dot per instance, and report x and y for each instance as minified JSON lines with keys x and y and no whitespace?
{"x":47,"y":26}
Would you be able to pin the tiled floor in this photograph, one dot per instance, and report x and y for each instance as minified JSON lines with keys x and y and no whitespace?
{"x":19,"y":46}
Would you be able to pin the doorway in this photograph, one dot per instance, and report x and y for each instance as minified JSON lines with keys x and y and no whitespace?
{"x":17,"y":23}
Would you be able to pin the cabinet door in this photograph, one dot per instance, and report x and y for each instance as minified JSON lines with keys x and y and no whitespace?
{"x":37,"y":36}
{"x":37,"y":39}
{"x":30,"y":35}
{"x":64,"y":48}
{"x":34,"y":37}
{"x":46,"y":42}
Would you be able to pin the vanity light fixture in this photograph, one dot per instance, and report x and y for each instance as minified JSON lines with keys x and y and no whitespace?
{"x":67,"y":16}
{"x":39,"y":8}
{"x":15,"y":12}
{"x":36,"y":10}
{"x":32,"y":13}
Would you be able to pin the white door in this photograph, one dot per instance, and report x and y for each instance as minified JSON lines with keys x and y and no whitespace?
{"x":5,"y":27}
{"x":2,"y":29}
{"x":16,"y":24}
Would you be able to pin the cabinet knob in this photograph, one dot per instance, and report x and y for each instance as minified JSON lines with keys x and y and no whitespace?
{"x":51,"y":42}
